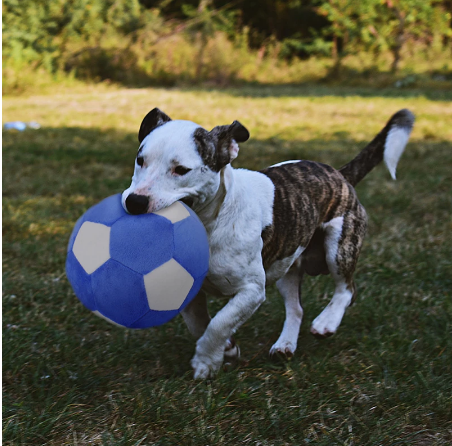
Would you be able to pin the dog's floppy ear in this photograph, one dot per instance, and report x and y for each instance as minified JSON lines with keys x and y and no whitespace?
{"x":239,"y":132}
{"x":225,"y":138}
{"x":155,"y":118}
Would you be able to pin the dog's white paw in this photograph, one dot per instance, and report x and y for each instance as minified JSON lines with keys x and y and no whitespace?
{"x":205,"y":366}
{"x":283,"y":347}
{"x":325,"y":325}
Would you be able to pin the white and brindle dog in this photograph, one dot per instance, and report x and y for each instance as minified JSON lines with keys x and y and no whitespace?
{"x":263,"y":227}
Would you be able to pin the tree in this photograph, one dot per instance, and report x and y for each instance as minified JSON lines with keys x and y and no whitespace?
{"x":401,"y":20}
{"x":38,"y":30}
{"x":382,"y":25}
{"x":348,"y":20}
{"x":202,"y":24}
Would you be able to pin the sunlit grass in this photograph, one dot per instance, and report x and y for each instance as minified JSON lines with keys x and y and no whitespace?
{"x":288,"y":113}
{"x":384,"y":378}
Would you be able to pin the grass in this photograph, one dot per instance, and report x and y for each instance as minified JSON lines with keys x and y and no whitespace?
{"x":70,"y":378}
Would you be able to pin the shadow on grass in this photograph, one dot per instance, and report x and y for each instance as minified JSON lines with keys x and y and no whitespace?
{"x":94,"y":162}
{"x":315,"y":90}
{"x":97,"y":64}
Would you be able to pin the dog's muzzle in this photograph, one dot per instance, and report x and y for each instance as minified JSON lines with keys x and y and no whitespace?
{"x":137,"y":204}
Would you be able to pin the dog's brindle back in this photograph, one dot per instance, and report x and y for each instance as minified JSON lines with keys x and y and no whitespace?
{"x":313,"y":193}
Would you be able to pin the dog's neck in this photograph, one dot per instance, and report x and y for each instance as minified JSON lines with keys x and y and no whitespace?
{"x":209,"y":210}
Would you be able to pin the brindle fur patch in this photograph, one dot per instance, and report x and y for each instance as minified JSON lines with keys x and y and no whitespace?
{"x":206,"y":148}
{"x":308,"y":194}
{"x":213,"y":146}
{"x":353,"y":232}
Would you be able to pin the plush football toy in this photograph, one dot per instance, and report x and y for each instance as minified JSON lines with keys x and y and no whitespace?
{"x":137,"y":271}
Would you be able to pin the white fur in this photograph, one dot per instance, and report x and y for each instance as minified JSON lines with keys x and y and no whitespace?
{"x":333,"y":230}
{"x":234,"y":220}
{"x":280,"y":267}
{"x":328,"y":321}
{"x":235,"y":267}
{"x":395,"y":143}
{"x":285,"y":162}
{"x":330,"y":318}
{"x":163,"y":149}
{"x":289,"y":287}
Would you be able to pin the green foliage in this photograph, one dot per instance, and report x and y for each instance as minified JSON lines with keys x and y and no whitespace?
{"x":402,"y":20}
{"x":136,"y":43}
{"x":40,"y":31}
{"x":381,"y":25}
{"x":315,"y":45}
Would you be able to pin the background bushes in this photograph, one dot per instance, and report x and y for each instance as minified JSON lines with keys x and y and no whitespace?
{"x":168,"y":42}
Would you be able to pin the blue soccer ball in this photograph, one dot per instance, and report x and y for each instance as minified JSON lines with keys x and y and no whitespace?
{"x":137,"y":271}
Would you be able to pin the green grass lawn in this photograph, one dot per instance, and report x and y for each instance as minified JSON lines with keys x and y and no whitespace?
{"x":70,"y":378}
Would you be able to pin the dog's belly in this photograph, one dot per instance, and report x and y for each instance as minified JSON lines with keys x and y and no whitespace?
{"x":280,"y":267}
{"x":227,"y":284}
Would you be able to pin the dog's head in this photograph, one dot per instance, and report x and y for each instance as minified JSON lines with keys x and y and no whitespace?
{"x":179,"y":160}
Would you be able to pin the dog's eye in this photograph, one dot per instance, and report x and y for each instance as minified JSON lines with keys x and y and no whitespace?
{"x":140,"y":161}
{"x":181,"y":170}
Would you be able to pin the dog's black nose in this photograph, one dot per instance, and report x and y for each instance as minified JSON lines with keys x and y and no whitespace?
{"x":137,"y":204}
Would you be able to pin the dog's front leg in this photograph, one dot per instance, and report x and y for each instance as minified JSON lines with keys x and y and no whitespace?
{"x":210,"y":347}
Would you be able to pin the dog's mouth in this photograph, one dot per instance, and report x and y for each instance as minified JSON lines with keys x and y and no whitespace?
{"x":188,"y":201}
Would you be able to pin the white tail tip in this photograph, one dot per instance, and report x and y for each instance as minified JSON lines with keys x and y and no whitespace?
{"x":395,"y":143}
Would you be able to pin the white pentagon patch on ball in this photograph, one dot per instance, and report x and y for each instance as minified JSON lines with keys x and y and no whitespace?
{"x":174,"y":213}
{"x":92,"y":245}
{"x":167,"y":286}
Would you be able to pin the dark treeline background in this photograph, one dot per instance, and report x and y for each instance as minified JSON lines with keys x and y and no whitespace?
{"x":168,"y":41}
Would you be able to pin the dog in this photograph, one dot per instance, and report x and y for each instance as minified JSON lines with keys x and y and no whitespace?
{"x":273,"y":226}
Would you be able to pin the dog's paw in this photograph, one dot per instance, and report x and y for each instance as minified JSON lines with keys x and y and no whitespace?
{"x":204,"y":366}
{"x":283,"y":348}
{"x":321,"y":336}
{"x":324,"y":326}
{"x":231,"y":350}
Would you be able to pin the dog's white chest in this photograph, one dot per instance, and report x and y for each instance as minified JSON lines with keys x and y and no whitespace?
{"x":235,"y":235}
{"x":231,"y":264}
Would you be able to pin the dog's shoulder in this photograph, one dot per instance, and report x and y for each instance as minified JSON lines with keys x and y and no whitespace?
{"x":256,"y":193}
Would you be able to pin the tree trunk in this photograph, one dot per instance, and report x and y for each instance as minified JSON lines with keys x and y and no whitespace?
{"x":399,"y":41}
{"x":334,"y":49}
{"x":203,"y":40}
{"x":337,"y":57}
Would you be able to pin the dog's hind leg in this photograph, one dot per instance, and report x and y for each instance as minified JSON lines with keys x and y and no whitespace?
{"x":343,"y":240}
{"x":197,"y":318}
{"x":289,"y":287}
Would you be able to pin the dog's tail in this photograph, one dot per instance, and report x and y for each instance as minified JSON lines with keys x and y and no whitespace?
{"x":388,"y":145}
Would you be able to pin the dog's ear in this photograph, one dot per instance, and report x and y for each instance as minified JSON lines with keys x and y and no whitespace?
{"x":239,"y":132}
{"x":155,"y":118}
{"x":225,"y":138}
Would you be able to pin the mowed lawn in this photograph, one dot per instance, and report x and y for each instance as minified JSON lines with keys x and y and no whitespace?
{"x":70,"y":378}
